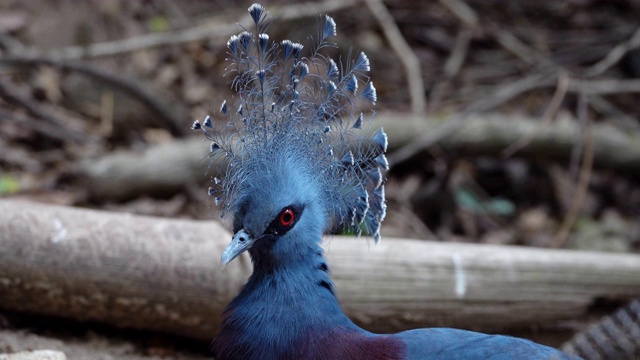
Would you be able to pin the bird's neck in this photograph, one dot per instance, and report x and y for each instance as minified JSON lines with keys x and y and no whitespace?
{"x":284,"y":303}
{"x":295,"y":287}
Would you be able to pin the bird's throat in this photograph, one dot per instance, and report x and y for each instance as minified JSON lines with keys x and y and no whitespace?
{"x":283,"y":304}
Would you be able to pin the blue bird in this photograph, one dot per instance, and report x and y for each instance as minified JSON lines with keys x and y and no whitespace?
{"x":298,"y":164}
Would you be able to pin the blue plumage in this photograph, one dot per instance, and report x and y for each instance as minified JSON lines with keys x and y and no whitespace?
{"x":298,"y":165}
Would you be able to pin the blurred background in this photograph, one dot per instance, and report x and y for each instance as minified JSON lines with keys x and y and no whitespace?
{"x":510,"y":122}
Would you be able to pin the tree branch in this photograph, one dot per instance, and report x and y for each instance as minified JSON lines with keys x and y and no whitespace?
{"x":216,"y":27}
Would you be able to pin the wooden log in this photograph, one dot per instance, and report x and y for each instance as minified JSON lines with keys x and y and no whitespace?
{"x":35,"y":355}
{"x":166,"y":168}
{"x":121,"y":269}
{"x":164,"y":275}
{"x":159,"y":170}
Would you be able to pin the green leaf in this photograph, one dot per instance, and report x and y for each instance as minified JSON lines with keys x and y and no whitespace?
{"x":158,"y":23}
{"x":468,"y":201}
{"x":8,"y":185}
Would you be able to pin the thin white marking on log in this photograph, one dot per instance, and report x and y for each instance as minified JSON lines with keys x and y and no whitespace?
{"x":61,"y":231}
{"x":461,"y":279}
{"x":512,"y":271}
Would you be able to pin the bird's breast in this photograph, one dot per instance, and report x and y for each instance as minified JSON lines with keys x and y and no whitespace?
{"x":345,"y":344}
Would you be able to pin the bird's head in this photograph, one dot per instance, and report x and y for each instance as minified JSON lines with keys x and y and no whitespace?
{"x":298,"y":159}
{"x":280,"y":208}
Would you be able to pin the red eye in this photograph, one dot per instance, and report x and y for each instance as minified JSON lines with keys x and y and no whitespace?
{"x":287,"y":217}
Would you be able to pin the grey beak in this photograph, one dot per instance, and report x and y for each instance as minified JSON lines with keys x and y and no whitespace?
{"x":241,"y":242}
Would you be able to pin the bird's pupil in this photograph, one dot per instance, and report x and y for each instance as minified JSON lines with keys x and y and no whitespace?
{"x":286,"y":218}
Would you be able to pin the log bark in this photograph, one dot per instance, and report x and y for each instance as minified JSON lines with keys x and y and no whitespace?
{"x":166,"y":168}
{"x":490,"y":135}
{"x":121,"y":269}
{"x":159,"y":170}
{"x":164,"y":275}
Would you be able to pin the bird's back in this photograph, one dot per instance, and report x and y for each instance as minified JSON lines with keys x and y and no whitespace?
{"x":444,"y":343}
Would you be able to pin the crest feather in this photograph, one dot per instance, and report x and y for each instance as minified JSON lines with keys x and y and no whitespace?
{"x":307,"y":107}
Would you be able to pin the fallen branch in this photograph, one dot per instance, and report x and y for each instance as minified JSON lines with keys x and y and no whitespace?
{"x":217,"y":27}
{"x":163,"y":275}
{"x":488,"y":136}
{"x":504,"y":94}
{"x":167,"y":168}
{"x":160,"y":170}
{"x":604,"y":86}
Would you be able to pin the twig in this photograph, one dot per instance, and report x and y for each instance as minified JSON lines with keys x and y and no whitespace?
{"x":106,"y":113}
{"x":585,"y":176}
{"x":404,"y":52}
{"x":174,"y":10}
{"x":61,"y":132}
{"x":215,"y":27}
{"x":604,"y":86}
{"x":175,"y":124}
{"x":604,"y":107}
{"x":506,"y":93}
{"x":310,"y":9}
{"x":458,"y":53}
{"x":42,"y":127}
{"x":462,"y":11}
{"x":9,"y":44}
{"x":614,"y":55}
{"x":515,"y":46}
{"x":502,"y":95}
{"x":451,"y":68}
{"x":456,"y":58}
{"x":549,"y":114}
